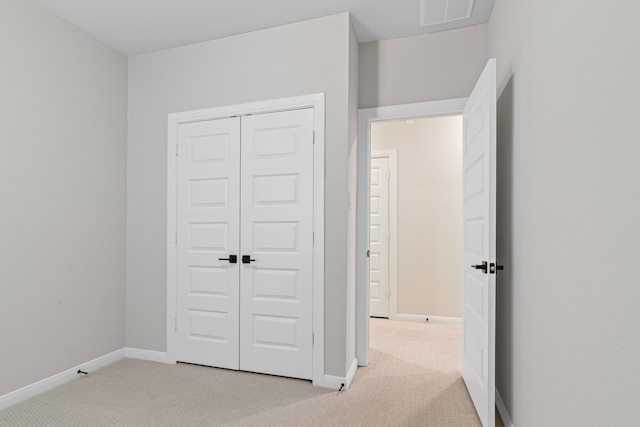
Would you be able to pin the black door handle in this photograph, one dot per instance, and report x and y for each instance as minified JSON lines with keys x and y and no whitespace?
{"x":233,"y":259}
{"x":246,"y":259}
{"x":482,"y":267}
{"x":494,"y":267}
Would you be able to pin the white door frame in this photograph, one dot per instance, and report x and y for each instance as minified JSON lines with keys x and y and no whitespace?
{"x":366,"y":117}
{"x":392,"y":156}
{"x":315,"y":101}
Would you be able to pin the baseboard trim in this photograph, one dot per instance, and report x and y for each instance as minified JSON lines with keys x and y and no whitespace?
{"x":337,"y":383}
{"x":149,"y":355}
{"x":31,"y":390}
{"x":351,"y":373}
{"x":502,"y":409}
{"x":423,"y":318}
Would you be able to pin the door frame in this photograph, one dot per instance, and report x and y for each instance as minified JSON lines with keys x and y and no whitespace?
{"x":315,"y":101}
{"x":392,"y":156}
{"x":365,"y":118}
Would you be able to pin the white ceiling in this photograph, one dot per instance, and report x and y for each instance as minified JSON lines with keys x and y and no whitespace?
{"x":140,"y":26}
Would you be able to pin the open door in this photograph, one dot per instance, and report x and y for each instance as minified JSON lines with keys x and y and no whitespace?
{"x":479,"y":258}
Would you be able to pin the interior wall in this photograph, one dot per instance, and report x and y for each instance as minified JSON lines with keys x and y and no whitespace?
{"x":298,"y":59}
{"x":353,"y":171}
{"x":63,"y":185}
{"x":429,"y":212}
{"x":429,"y":67}
{"x":568,"y":128}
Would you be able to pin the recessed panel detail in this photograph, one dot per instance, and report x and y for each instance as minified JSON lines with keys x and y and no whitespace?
{"x":208,"y":236}
{"x":276,"y":142}
{"x":275,"y":284}
{"x":473,"y":295}
{"x":208,"y":325}
{"x":374,"y":292}
{"x":474,"y":178}
{"x":275,"y":236}
{"x":208,"y":281}
{"x":275,"y":331}
{"x":375,"y":177}
{"x":474,"y":236}
{"x":473,"y":347}
{"x":374,"y":234}
{"x":209,"y":192}
{"x":276,"y":189}
{"x":209,"y":148}
{"x":374,"y":262}
{"x":375,"y":205}
{"x":473,"y":124}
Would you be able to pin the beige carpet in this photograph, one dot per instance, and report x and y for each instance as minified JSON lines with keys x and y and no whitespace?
{"x":413,"y":380}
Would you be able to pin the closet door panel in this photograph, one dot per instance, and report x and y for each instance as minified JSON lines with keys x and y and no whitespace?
{"x":208,"y":226}
{"x":277,"y":237}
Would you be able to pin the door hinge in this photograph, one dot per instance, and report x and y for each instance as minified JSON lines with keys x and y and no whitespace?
{"x":176,"y":241}
{"x":314,"y":137}
{"x":388,"y":175}
{"x":313,"y":339}
{"x":175,"y":325}
{"x":176,"y":150}
{"x":389,"y":235}
{"x":313,"y":237}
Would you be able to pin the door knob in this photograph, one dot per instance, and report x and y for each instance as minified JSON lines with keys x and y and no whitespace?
{"x":232,"y":259}
{"x":482,"y":267}
{"x":246,"y":259}
{"x":493,"y":267}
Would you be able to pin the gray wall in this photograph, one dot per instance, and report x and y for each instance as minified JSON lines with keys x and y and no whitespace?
{"x":354,"y":58}
{"x":568,"y":339}
{"x":62,"y":184}
{"x":297,"y":59}
{"x":434,"y":66}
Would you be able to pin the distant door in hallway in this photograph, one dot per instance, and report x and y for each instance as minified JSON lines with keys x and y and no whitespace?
{"x":379,"y":237}
{"x":245,"y":243}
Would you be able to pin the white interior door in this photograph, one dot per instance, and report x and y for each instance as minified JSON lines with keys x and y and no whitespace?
{"x":479,"y":159}
{"x":277,"y":244}
{"x":379,"y":237}
{"x":244,"y":258}
{"x":208,"y":227}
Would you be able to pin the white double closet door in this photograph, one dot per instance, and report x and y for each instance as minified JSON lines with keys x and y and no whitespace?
{"x":245,"y":243}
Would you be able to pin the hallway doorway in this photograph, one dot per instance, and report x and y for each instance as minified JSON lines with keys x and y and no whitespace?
{"x":415,"y":217}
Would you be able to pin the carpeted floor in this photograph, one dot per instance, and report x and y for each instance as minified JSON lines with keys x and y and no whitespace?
{"x":413,"y":380}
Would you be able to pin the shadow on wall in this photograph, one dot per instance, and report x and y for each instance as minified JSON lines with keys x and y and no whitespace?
{"x":504,"y":247}
{"x":369,"y":76}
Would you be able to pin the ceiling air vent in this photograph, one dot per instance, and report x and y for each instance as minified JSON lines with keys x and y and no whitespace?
{"x":435,"y":12}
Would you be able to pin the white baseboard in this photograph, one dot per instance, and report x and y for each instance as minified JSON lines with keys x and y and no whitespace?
{"x":423,"y":318}
{"x":337,"y":383}
{"x":502,"y":409}
{"x":351,"y":373}
{"x":150,"y":355}
{"x":26,"y":392}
